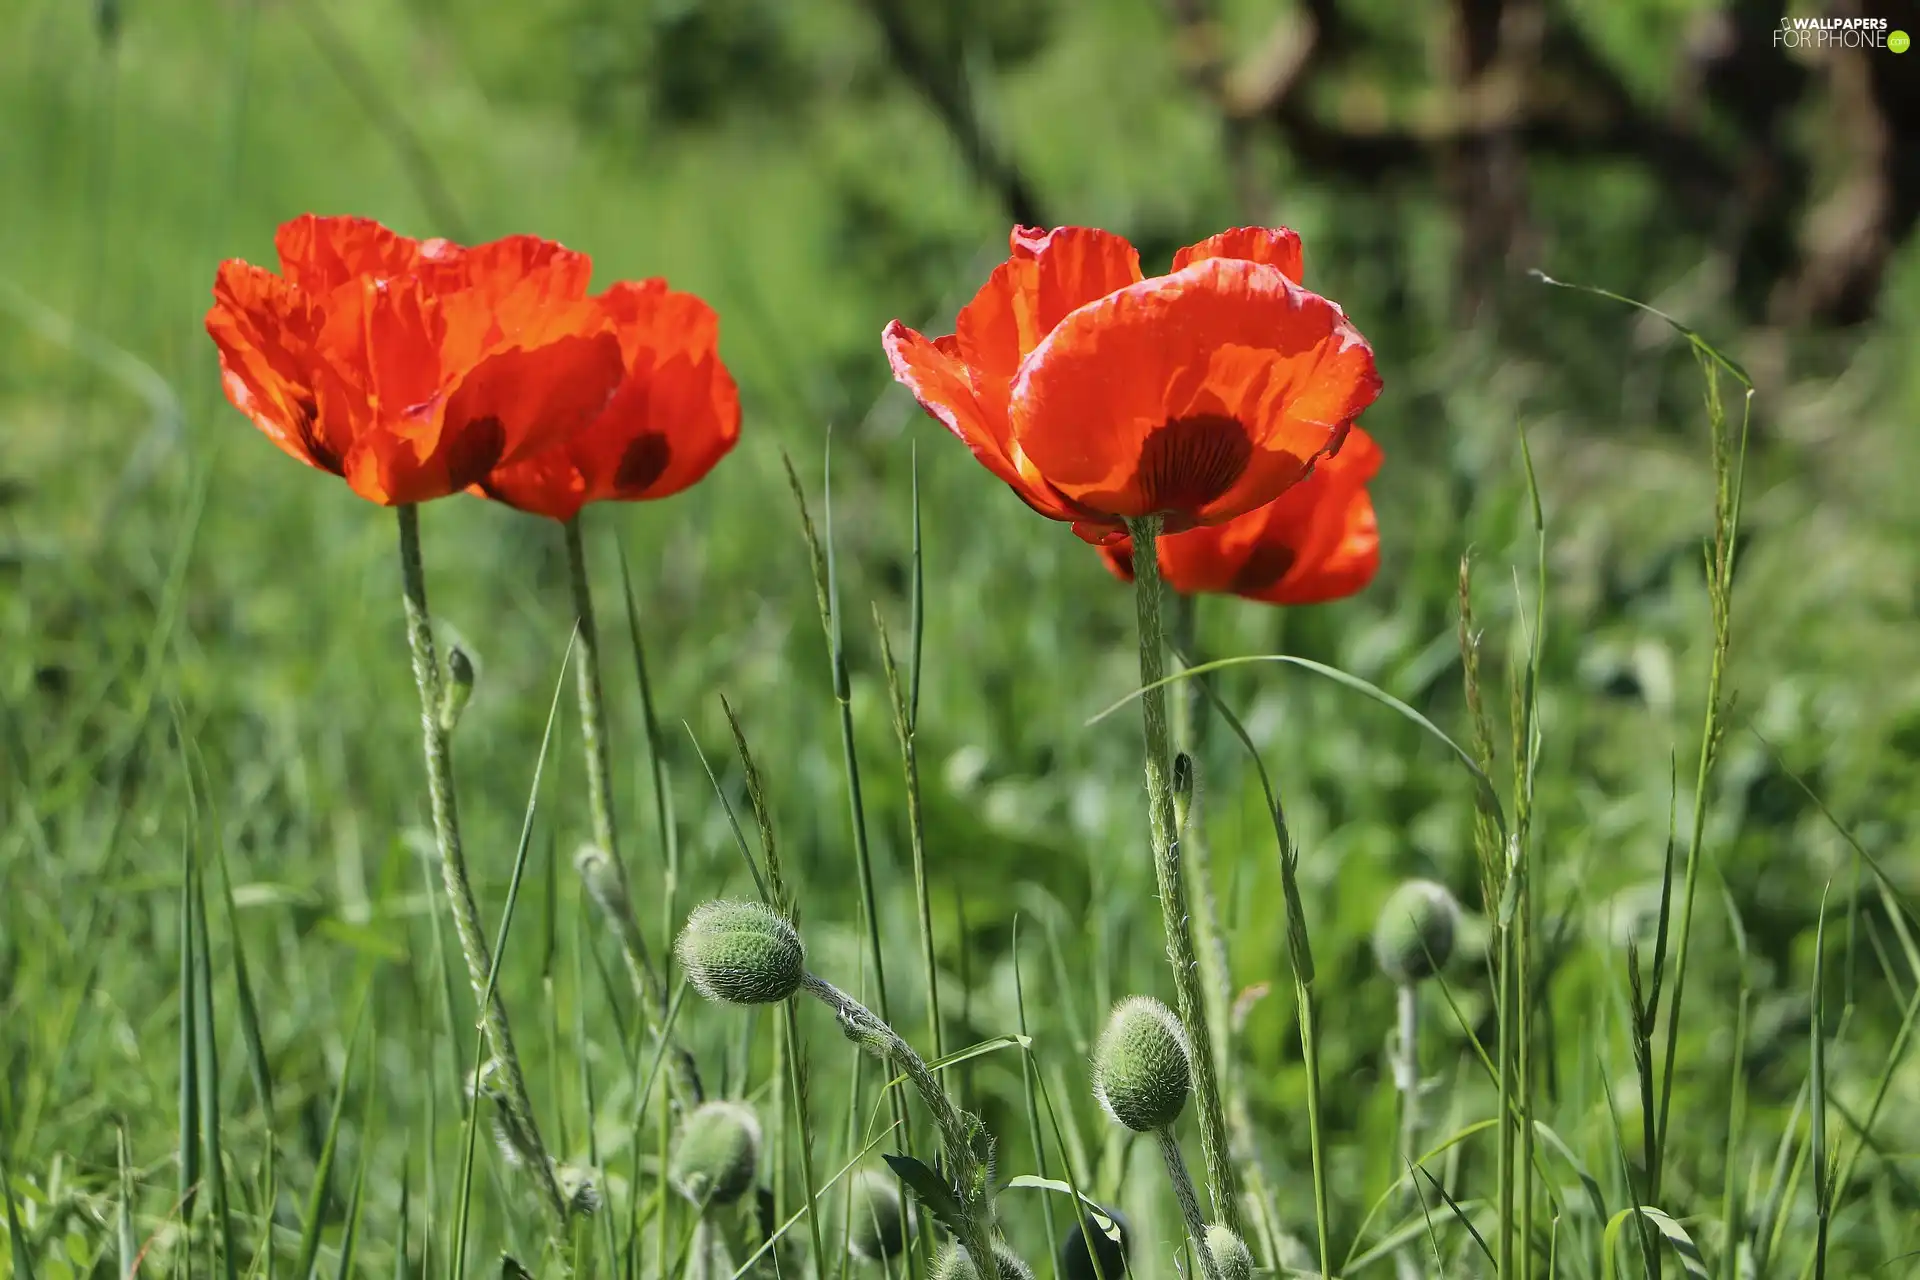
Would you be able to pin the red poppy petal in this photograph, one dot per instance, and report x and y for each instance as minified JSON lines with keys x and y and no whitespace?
{"x":1202,"y":394}
{"x":1048,"y":275}
{"x":519,"y":291}
{"x":539,"y":396}
{"x":1275,"y":246}
{"x":320,"y":254}
{"x":265,"y":330}
{"x":1345,"y":568}
{"x":515,"y":402}
{"x":939,"y":382}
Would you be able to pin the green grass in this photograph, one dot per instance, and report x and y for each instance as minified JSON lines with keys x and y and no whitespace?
{"x":220,"y":928}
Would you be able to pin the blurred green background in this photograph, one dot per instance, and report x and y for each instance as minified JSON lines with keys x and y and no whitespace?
{"x":200,"y":642}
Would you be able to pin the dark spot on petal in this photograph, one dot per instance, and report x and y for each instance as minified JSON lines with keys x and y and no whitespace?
{"x":474,"y":450}
{"x":1191,"y":461}
{"x":307,"y":426}
{"x":1265,"y":567}
{"x":644,"y":462}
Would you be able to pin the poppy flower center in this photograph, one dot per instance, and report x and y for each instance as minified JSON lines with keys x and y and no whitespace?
{"x":1191,"y":461}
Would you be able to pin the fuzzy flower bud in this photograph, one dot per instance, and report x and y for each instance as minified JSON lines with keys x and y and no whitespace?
{"x":1414,"y":938}
{"x":1109,"y":1251}
{"x":879,"y":1226}
{"x":1141,"y":1066}
{"x":955,"y":1264}
{"x":716,"y":1153}
{"x":741,"y":953}
{"x":1231,"y":1257}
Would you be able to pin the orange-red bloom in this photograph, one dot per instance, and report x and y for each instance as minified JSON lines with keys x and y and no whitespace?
{"x":412,"y":368}
{"x":674,"y":416}
{"x":1317,"y":541}
{"x":1100,"y":396}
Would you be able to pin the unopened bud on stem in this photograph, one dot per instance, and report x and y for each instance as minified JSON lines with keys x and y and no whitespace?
{"x":741,"y":953}
{"x":716,"y":1153}
{"x":1232,"y":1260}
{"x":1142,"y":1068}
{"x":955,"y":1264}
{"x":1414,"y":938}
{"x":458,"y":689}
{"x":878,"y":1230}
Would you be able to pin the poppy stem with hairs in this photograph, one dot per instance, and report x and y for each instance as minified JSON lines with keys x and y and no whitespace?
{"x":1222,"y":1184}
{"x":606,"y":883}
{"x":453,"y":867}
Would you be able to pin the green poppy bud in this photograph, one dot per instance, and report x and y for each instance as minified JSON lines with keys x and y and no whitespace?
{"x":1183,"y":787}
{"x":741,"y":953}
{"x":879,"y":1227}
{"x":1231,"y":1257}
{"x":955,"y":1264}
{"x":1414,"y":939}
{"x":716,"y":1153}
{"x":459,"y":687}
{"x":1141,"y":1067}
{"x":1077,"y":1261}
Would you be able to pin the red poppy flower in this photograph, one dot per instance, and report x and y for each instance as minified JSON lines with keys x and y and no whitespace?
{"x":409,"y":367}
{"x":674,"y":416}
{"x":1100,"y":396}
{"x":1317,"y":541}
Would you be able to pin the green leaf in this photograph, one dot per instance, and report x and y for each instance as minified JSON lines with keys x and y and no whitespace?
{"x":1675,"y":1235}
{"x":931,"y":1190}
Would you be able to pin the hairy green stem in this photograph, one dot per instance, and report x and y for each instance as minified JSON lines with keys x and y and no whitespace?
{"x":1189,"y":1202}
{"x":1406,"y":1082}
{"x":966,"y":1167}
{"x":1222,"y":1185}
{"x":453,"y":869}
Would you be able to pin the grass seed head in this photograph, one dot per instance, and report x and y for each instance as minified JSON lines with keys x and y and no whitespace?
{"x":717,"y":1153}
{"x":741,"y":953}
{"x":1414,"y":938}
{"x":1142,"y":1070}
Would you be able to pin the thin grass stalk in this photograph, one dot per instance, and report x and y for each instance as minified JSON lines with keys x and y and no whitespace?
{"x":453,"y":866}
{"x":1728,"y":468}
{"x":1222,"y":1183}
{"x":1503,"y":1250}
{"x":797,"y":1079}
{"x":656,"y":765}
{"x":1316,"y":1138}
{"x":1033,"y":1109}
{"x":209,"y":1069}
{"x":826,"y":583}
{"x":916,"y":829}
